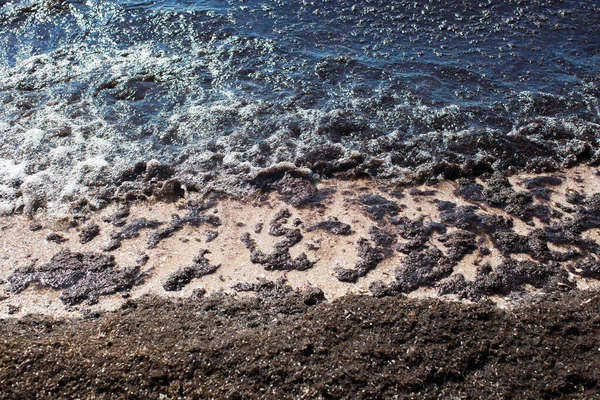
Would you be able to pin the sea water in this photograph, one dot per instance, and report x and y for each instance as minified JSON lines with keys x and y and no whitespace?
{"x":218,"y":90}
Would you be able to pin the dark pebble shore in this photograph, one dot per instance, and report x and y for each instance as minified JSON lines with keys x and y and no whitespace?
{"x":293,"y":344}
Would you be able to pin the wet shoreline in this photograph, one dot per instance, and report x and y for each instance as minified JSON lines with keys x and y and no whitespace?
{"x":494,"y":238}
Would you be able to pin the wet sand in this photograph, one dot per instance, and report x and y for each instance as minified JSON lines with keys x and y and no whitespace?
{"x":344,"y":237}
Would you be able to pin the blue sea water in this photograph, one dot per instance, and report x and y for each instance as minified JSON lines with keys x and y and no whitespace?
{"x":222,"y":89}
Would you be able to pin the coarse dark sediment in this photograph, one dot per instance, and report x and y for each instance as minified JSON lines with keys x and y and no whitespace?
{"x":286,"y":344}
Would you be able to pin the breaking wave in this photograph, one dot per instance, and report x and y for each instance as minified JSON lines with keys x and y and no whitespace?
{"x":97,"y":97}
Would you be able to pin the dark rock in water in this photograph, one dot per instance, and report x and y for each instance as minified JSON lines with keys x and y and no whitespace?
{"x":379,"y":207}
{"x":422,"y":268}
{"x":369,"y":258}
{"x":198,"y":269}
{"x":297,"y":192}
{"x":268,"y":178}
{"x":322,"y":160}
{"x":56,"y":238}
{"x":158,"y":171}
{"x":332,"y":225}
{"x":144,"y":180}
{"x":83,"y":276}
{"x":133,"y":172}
{"x":61,"y":132}
{"x":89,"y":232}
{"x":336,"y":128}
{"x":169,"y":190}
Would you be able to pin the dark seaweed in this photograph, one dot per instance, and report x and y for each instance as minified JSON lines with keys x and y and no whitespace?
{"x":416,"y":231}
{"x":422,"y":268}
{"x":193,"y":218}
{"x":200,"y":267}
{"x":211,"y":235}
{"x":82,"y":276}
{"x":510,"y":276}
{"x":333,"y":226}
{"x":369,"y":258}
{"x":298,"y":192}
{"x":382,"y":237}
{"x":280,"y":258}
{"x":56,"y":238}
{"x":459,"y":244}
{"x":89,"y":232}
{"x":378,"y":207}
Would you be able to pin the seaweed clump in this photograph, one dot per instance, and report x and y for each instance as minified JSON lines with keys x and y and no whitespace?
{"x":333,"y":226}
{"x":369,"y":258}
{"x":280,"y":259}
{"x":200,"y":267}
{"x":510,"y":276}
{"x":89,"y":232}
{"x":378,"y":207}
{"x":83,"y":276}
{"x":193,"y":218}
